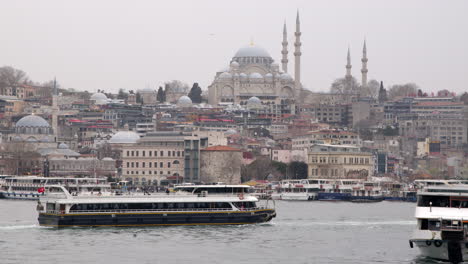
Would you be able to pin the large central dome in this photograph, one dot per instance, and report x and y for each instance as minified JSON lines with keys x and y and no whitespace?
{"x":252,"y":51}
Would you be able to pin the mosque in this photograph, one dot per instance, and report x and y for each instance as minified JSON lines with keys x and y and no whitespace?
{"x":253,"y":73}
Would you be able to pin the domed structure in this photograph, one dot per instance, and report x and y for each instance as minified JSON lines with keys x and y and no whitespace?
{"x":230,"y":132}
{"x":99,"y":99}
{"x":63,"y":146}
{"x":269,"y":77}
{"x":252,"y":51}
{"x":286,"y":77}
{"x":225,"y":75}
{"x":254,"y":101}
{"x":98,"y":96}
{"x":184,"y":101}
{"x":124,"y":137}
{"x":32,"y":121}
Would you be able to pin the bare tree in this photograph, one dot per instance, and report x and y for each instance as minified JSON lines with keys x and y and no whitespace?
{"x":371,"y":90}
{"x":344,"y":86}
{"x":409,"y":89}
{"x":176,"y":86}
{"x":11,"y":77}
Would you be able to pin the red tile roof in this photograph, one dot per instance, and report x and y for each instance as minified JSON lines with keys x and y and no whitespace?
{"x":220,"y":148}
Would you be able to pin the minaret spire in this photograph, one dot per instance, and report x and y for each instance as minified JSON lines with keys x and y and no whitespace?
{"x":364,"y":65}
{"x":55,"y":110}
{"x":297,"y":54}
{"x":348,"y":64}
{"x":284,"y":51}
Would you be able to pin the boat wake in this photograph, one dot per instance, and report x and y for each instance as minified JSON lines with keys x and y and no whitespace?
{"x":17,"y":227}
{"x":354,"y":223}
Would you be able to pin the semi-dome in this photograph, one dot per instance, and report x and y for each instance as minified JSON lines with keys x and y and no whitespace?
{"x":108,"y":158}
{"x":252,"y":51}
{"x":254,"y":101}
{"x":146,"y":90}
{"x":255,"y":75}
{"x":285,"y":77}
{"x":32,"y":121}
{"x":269,"y":77}
{"x":184,"y":101}
{"x":243,"y":76}
{"x":124,"y":137}
{"x":98,"y":96}
{"x":225,"y":76}
{"x":234,"y":64}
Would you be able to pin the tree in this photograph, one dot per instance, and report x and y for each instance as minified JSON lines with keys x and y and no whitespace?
{"x":409,"y":89}
{"x":371,"y":90}
{"x":344,"y":86}
{"x":297,"y":170}
{"x":195,"y":94}
{"x":138,"y":98}
{"x":11,"y":77}
{"x":122,"y":95}
{"x":160,"y":95}
{"x":176,"y":86}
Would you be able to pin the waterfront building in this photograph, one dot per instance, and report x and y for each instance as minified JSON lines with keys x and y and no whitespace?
{"x":339,"y":162}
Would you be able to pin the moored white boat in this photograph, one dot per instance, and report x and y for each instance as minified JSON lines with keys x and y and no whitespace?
{"x":442,"y":221}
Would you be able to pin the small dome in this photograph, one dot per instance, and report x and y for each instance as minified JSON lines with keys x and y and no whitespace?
{"x":32,"y":121}
{"x":225,"y":75}
{"x":269,"y":77}
{"x":234,"y":64}
{"x":286,"y":77}
{"x":255,"y":75}
{"x":184,"y":101}
{"x":252,"y":51}
{"x":63,"y":146}
{"x":107,"y":158}
{"x":243,"y":76}
{"x":98,"y":96}
{"x":146,"y":90}
{"x":31,"y":139}
{"x":254,"y":101}
{"x":230,"y":132}
{"x":124,"y":137}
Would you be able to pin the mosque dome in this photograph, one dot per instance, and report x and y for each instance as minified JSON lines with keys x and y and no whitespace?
{"x":98,"y":96}
{"x":108,"y":158}
{"x":63,"y":146}
{"x":286,"y":77}
{"x":124,"y":137}
{"x":243,"y":76}
{"x":31,"y":139}
{"x":269,"y":77}
{"x":230,"y":132}
{"x":32,"y":121}
{"x":234,"y":64}
{"x":252,"y":51}
{"x":254,"y":101}
{"x":185,"y":101}
{"x":224,"y":76}
{"x":146,"y":90}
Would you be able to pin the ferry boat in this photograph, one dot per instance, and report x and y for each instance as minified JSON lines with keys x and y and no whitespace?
{"x":442,"y":221}
{"x":33,"y":187}
{"x":185,"y":205}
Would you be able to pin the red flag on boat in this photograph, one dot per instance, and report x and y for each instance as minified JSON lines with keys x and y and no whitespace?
{"x":41,"y":190}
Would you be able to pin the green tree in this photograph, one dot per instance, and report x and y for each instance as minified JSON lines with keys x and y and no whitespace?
{"x":122,"y":94}
{"x":195,"y":94}
{"x":138,"y":98}
{"x":160,"y":95}
{"x":297,"y":170}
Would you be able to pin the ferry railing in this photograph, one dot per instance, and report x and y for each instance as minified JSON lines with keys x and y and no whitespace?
{"x":161,"y":210}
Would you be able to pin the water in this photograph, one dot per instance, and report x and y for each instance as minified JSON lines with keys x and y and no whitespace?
{"x":303,"y":232}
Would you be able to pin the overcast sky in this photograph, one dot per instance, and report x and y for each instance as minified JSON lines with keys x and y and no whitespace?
{"x":109,"y":44}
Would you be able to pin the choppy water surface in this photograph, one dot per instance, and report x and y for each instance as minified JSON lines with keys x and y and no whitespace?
{"x":303,"y":232}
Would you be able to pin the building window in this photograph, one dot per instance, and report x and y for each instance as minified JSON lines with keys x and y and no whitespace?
{"x":155,"y":164}
{"x":133,"y":164}
{"x":168,"y":164}
{"x":137,"y":164}
{"x":128,"y":164}
{"x":149,"y":164}
{"x":143,"y":164}
{"x":161,"y":153}
{"x":161,"y":164}
{"x":128,"y":153}
{"x":150,"y":153}
{"x":133,"y":153}
{"x":143,"y":153}
{"x":137,"y":153}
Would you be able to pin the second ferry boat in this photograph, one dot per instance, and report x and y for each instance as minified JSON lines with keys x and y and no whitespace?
{"x":188,"y":205}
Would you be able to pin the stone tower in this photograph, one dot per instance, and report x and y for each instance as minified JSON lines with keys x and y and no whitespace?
{"x":297,"y":54}
{"x":284,"y":51}
{"x":55,"y":110}
{"x":364,"y":66}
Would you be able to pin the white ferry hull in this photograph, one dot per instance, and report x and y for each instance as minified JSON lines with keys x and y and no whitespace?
{"x":438,"y":250}
{"x":298,"y":196}
{"x":19,"y":195}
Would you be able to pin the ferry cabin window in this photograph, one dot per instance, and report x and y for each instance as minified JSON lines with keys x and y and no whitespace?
{"x":245,"y":204}
{"x":437,"y":201}
{"x":149,"y":206}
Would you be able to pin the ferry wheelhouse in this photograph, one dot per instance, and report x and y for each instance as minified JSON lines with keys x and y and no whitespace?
{"x":442,"y":221}
{"x":32,"y":187}
{"x":186,"y":205}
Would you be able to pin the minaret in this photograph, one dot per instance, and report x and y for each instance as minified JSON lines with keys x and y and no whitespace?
{"x":348,"y":65}
{"x":364,"y":65}
{"x":55,"y":110}
{"x":284,"y":52}
{"x":297,"y":54}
